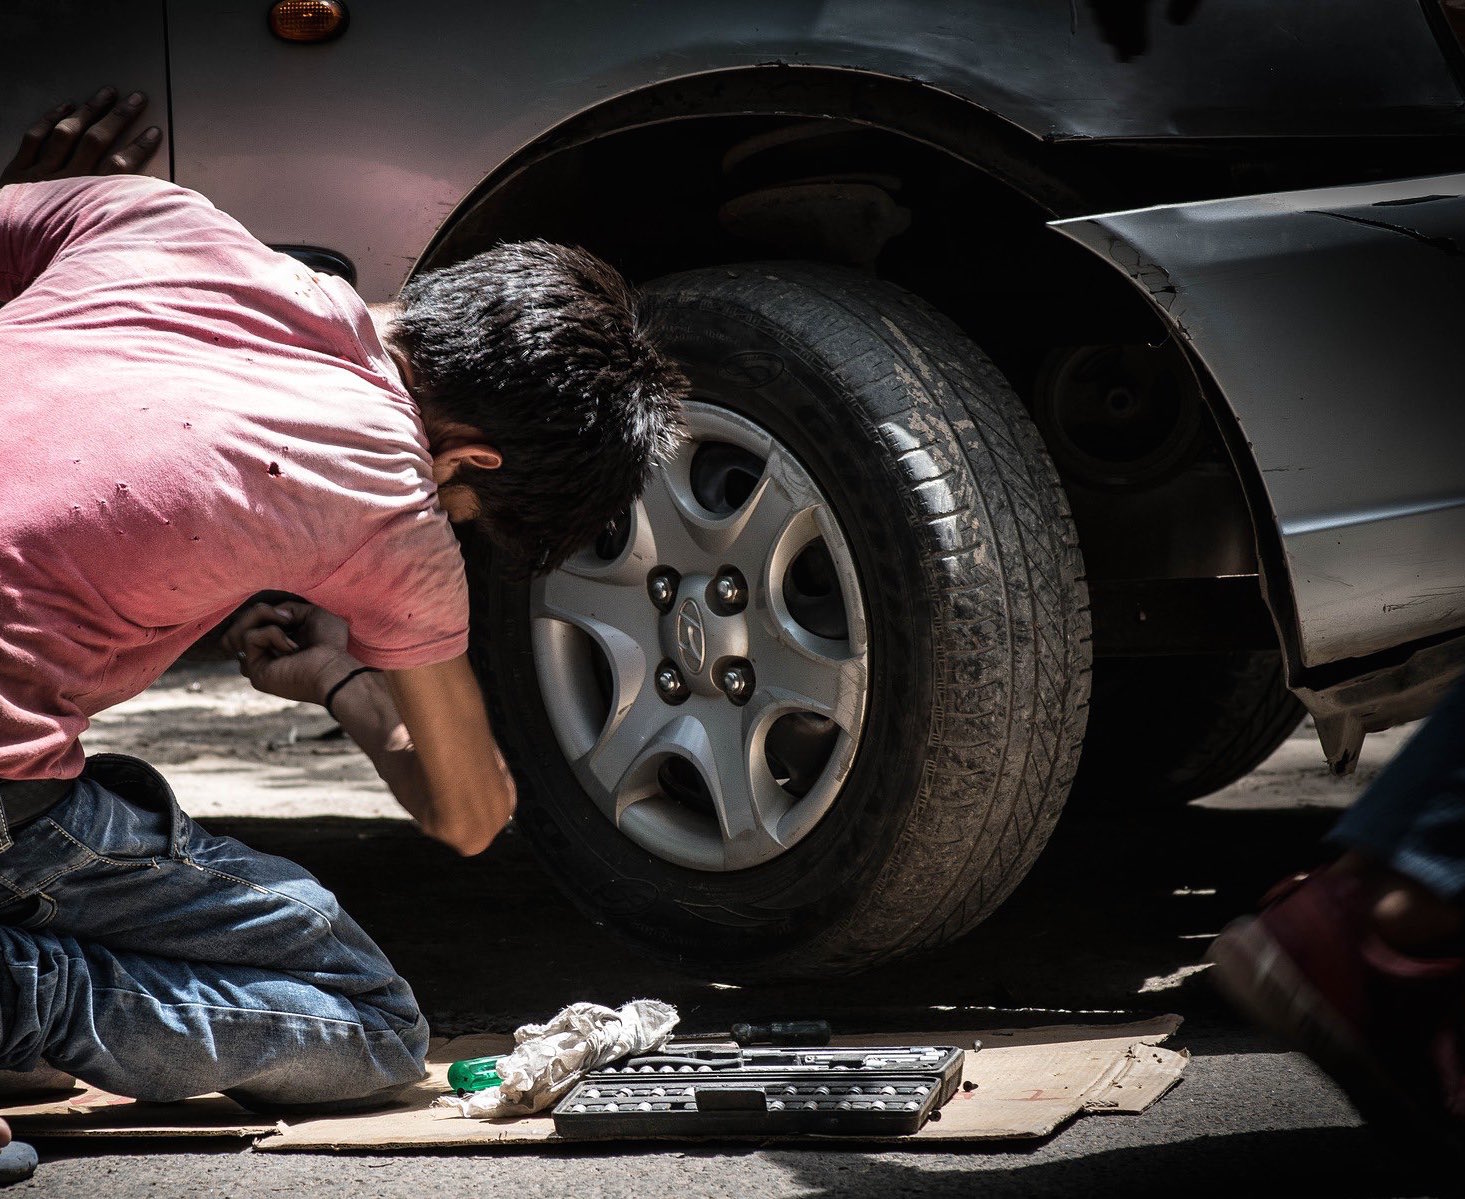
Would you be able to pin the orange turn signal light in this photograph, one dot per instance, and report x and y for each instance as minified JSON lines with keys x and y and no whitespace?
{"x":308,"y":20}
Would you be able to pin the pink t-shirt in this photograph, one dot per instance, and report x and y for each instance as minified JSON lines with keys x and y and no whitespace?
{"x":188,"y":418}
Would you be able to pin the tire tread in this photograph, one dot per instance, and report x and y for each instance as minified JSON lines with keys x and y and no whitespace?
{"x":945,"y":876}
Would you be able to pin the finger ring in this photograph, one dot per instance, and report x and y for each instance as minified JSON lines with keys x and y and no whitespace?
{"x":241,"y":655}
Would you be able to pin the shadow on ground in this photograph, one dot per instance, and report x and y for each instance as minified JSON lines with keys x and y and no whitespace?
{"x":1118,"y":909}
{"x":1254,"y":1164}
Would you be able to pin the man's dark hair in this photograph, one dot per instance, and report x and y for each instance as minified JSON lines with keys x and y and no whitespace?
{"x":545,"y":351}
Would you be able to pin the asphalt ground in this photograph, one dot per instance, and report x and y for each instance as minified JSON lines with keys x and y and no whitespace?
{"x":1109,"y":926}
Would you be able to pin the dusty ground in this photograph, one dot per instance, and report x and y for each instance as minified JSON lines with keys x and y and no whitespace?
{"x":1110,"y":925}
{"x":229,"y":750}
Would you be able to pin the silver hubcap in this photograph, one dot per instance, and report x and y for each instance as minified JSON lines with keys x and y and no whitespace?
{"x":706,"y":673}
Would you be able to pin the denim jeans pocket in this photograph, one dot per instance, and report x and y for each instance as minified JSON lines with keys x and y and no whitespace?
{"x":90,"y":849}
{"x":28,"y":911}
{"x":121,"y":814}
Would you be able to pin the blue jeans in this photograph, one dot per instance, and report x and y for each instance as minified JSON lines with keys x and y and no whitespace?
{"x":1411,"y":818}
{"x":153,"y":959}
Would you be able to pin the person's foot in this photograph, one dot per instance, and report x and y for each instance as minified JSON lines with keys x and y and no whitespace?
{"x":17,"y":1161}
{"x":1387,"y":1025}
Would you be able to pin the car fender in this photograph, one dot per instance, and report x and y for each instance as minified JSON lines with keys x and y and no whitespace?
{"x":1329,"y":322}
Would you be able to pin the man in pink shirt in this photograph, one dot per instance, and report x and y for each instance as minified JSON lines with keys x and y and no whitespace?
{"x":192,"y":418}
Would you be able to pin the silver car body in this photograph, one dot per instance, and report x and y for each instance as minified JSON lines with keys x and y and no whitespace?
{"x":1328,"y":322}
{"x":1331,"y":322}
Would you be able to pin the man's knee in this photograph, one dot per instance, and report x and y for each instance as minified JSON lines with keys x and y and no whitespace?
{"x":357,"y":1074}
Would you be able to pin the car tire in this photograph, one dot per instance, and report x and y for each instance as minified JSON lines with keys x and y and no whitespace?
{"x":978,"y":635}
{"x":1166,"y":730}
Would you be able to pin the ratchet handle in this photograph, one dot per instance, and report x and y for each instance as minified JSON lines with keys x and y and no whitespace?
{"x":783,"y":1032}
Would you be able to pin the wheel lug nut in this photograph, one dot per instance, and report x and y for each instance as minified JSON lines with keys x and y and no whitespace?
{"x":737,"y":682}
{"x":663,"y":590}
{"x":670,"y":684}
{"x":728,"y":591}
{"x":728,"y":594}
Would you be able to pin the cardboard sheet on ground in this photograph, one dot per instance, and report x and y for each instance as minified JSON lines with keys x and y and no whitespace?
{"x":86,"y":1111}
{"x":1029,"y":1082}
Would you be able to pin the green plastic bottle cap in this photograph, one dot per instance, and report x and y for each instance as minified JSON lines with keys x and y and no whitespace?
{"x":473,"y":1074}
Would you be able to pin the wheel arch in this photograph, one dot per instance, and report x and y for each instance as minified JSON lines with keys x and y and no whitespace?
{"x":944,"y":122}
{"x":646,"y":180}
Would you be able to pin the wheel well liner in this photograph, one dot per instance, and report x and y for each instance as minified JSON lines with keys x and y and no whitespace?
{"x":909,"y":107}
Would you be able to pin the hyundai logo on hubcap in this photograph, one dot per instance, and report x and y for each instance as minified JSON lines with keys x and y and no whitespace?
{"x":691,"y":637}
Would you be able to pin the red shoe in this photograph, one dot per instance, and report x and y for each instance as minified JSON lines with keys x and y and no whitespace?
{"x":1389,"y":1028}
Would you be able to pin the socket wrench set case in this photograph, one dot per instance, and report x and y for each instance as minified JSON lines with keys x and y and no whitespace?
{"x":722,"y":1090}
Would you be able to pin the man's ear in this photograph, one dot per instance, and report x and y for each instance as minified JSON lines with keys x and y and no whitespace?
{"x":445,"y":465}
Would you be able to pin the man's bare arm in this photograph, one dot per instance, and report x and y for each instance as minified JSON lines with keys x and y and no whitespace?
{"x":427,"y":733}
{"x":425,"y":729}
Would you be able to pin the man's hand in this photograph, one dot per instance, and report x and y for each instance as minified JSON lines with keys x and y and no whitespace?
{"x":68,"y":142}
{"x":424,"y":729}
{"x":294,"y":650}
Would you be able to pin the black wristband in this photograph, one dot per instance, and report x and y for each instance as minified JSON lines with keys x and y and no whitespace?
{"x":331,"y":694}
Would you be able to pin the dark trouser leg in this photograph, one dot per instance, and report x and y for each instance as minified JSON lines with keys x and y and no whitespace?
{"x":153,"y":959}
{"x":1412,"y":816}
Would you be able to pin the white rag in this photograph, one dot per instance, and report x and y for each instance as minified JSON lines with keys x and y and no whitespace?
{"x":549,"y":1059}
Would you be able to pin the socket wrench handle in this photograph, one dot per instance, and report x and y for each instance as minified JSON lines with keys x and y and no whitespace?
{"x":783,"y":1032}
